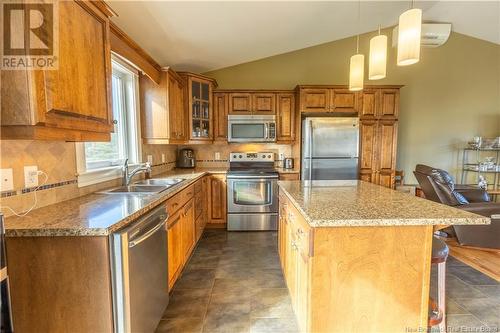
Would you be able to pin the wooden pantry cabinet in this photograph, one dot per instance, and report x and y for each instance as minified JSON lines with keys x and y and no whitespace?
{"x":285,"y":117}
{"x":72,"y":102}
{"x":163,"y":116}
{"x":198,"y":104}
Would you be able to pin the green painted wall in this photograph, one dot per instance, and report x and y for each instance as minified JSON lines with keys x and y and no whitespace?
{"x":451,"y":95}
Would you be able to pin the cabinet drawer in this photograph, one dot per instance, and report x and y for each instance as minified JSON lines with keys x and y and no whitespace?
{"x":179,"y":200}
{"x":188,"y":193}
{"x":198,"y":204}
{"x":197,"y":186}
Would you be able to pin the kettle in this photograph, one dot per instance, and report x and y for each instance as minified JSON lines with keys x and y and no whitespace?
{"x":186,"y":158}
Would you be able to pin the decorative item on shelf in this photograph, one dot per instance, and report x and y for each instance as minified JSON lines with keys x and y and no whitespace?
{"x":482,"y":183}
{"x":378,"y":57}
{"x":410,"y":29}
{"x":489,"y":163}
{"x":357,"y":63}
{"x":490,"y":143}
{"x":476,"y":142}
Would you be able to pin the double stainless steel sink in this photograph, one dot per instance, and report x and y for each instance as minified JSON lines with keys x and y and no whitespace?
{"x":146,"y":186}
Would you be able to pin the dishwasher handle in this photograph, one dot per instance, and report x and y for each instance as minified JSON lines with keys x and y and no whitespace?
{"x":143,"y":236}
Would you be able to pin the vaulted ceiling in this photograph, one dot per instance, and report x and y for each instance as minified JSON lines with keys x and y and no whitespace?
{"x":207,"y":35}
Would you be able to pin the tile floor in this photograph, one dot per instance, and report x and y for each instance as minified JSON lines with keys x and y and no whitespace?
{"x":233,"y":283}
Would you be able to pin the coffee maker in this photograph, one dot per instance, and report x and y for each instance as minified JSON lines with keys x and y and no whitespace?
{"x":186,"y":158}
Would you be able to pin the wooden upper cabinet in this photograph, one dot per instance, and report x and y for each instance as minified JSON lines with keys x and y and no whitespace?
{"x":344,"y":100}
{"x":264,"y":103}
{"x":370,"y":99}
{"x":315,"y":100}
{"x":163,"y":116}
{"x":389,"y":103}
{"x":380,"y":103}
{"x":285,"y":119}
{"x":240,"y":103}
{"x":72,"y":102}
{"x":198,"y":105}
{"x":328,"y":99}
{"x":221,"y":108}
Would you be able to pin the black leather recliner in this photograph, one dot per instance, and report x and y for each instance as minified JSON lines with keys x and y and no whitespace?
{"x":439,"y":186}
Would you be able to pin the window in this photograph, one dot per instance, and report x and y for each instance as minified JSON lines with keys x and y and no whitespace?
{"x":101,"y":161}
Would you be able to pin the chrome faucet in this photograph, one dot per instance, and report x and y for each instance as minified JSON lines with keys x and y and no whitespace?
{"x":127,"y":177}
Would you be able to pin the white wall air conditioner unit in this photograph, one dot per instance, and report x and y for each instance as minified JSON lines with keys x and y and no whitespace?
{"x":433,"y":34}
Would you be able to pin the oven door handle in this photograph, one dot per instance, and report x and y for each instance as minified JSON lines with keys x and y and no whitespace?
{"x":252,"y":177}
{"x":266,"y":130}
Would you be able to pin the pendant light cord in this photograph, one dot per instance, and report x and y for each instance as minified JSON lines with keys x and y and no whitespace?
{"x":359,"y":25}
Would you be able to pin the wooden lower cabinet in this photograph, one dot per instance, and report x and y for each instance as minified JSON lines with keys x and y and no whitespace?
{"x":355,"y":279}
{"x":289,"y":176}
{"x":183,"y":229}
{"x":217,"y":201}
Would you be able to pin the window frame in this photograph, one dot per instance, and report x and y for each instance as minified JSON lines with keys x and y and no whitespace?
{"x":131,"y":105}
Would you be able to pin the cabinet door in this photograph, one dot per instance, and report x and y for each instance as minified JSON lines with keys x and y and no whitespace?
{"x":221,"y":108}
{"x":291,"y":263}
{"x":175,"y":254}
{"x":240,"y":103}
{"x":199,"y":107}
{"x":188,"y":230}
{"x":77,"y":95}
{"x":206,"y":198}
{"x":387,"y":140}
{"x":389,"y":104}
{"x":154,"y":108}
{"x":286,"y":118}
{"x":217,"y":207}
{"x":368,"y":158}
{"x":315,"y":100}
{"x":344,"y":100}
{"x":264,"y":103}
{"x":302,"y":298}
{"x":370,"y":102}
{"x":177,"y":116}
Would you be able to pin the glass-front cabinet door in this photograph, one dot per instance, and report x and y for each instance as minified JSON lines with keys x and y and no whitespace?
{"x":200,"y":107}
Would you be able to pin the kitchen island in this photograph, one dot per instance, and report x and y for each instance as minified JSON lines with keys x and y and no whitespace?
{"x":357,"y":256}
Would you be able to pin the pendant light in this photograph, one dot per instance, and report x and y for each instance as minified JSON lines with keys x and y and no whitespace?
{"x":378,"y":57}
{"x":357,"y":64}
{"x":409,"y":31}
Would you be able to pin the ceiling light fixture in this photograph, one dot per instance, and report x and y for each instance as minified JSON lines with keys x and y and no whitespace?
{"x":357,"y":64}
{"x":378,"y":57}
{"x":410,"y":29}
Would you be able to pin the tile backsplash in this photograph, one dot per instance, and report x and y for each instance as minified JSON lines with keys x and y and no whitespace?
{"x":205,"y":154}
{"x":58,"y":160}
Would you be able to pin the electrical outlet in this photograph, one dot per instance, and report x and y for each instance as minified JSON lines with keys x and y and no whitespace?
{"x":162,"y":158}
{"x":217,"y":156}
{"x":282,"y":156}
{"x":150,"y":159}
{"x":30,"y":176}
{"x":6,"y":180}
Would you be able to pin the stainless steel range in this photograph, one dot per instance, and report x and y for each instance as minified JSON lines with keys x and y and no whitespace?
{"x":252,"y":192}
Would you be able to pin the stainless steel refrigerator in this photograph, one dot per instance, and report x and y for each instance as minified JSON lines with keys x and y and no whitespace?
{"x":330,"y":148}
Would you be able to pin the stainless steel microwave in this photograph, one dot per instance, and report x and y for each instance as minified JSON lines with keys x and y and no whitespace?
{"x":258,"y":128}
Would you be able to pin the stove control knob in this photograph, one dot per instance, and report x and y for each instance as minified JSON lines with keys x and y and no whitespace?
{"x":268,"y":156}
{"x":263,"y":156}
{"x":240,"y":156}
{"x":234,"y":156}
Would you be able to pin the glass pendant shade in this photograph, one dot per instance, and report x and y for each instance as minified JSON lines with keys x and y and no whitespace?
{"x":378,"y":57}
{"x":410,"y":28}
{"x":357,"y":72}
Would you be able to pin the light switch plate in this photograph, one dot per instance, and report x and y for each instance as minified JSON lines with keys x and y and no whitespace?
{"x":282,"y":157}
{"x":217,"y":156}
{"x":162,"y":158}
{"x":6,"y":180}
{"x":150,"y":159}
{"x":30,"y":176}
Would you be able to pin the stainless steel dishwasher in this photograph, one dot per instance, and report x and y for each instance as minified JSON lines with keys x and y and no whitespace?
{"x":140,"y":273}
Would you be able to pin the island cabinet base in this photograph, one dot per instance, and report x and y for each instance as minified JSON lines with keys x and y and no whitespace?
{"x":355,"y":279}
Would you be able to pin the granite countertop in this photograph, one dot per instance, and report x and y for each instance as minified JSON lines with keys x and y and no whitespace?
{"x":97,"y":214}
{"x":358,"y":203}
